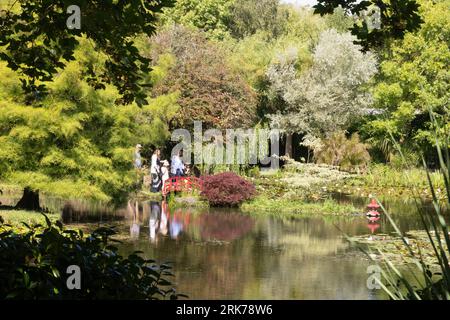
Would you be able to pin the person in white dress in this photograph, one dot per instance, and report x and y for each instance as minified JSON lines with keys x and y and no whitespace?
{"x":155,"y":171}
{"x":164,"y":173}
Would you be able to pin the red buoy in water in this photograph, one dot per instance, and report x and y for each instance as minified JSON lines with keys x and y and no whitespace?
{"x":373,"y":216}
{"x":373,"y":205}
{"x":373,"y":213}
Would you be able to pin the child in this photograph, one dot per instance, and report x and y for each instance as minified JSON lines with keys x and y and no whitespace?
{"x":164,"y":172}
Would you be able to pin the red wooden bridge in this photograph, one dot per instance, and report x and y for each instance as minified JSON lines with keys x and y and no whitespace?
{"x":183,"y":184}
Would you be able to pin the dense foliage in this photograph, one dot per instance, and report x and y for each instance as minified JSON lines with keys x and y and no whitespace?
{"x":414,"y":79}
{"x":34,"y":263}
{"x":211,"y":16}
{"x":76,"y":142}
{"x":227,"y":189}
{"x":347,"y":153}
{"x":248,"y":17}
{"x":36,"y":42}
{"x":396,"y":17}
{"x":209,"y":89}
{"x":228,"y":63}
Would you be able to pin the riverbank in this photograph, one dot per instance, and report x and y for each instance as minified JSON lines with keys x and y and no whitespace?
{"x":180,"y":200}
{"x":386,"y":181}
{"x":16,"y":218}
{"x":297,"y":208}
{"x":310,"y":189}
{"x":297,"y":191}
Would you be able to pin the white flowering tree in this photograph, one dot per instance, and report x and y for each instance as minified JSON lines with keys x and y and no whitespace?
{"x":329,"y":94}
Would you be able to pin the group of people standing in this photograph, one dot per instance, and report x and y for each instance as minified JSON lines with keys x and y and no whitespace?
{"x":160,"y":170}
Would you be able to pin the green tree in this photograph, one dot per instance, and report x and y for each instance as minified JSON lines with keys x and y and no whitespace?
{"x":414,"y":79}
{"x":210,"y":16}
{"x":251,"y":56}
{"x":302,"y":25}
{"x":36,"y":42}
{"x":248,"y":17}
{"x":339,"y":20}
{"x":75,"y":142}
{"x":396,"y":17}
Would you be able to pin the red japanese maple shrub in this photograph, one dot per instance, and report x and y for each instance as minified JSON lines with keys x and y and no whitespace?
{"x":227,"y":189}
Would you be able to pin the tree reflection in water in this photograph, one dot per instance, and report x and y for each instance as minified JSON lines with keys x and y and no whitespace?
{"x":225,"y":227}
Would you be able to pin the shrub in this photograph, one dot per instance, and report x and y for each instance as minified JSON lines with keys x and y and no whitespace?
{"x":227,"y":189}
{"x":33,"y":265}
{"x":406,"y":160}
{"x":348,"y":154}
{"x":253,"y":172}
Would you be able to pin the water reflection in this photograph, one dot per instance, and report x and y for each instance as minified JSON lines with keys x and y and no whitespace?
{"x":164,"y":225}
{"x":161,"y":222}
{"x":223,"y":254}
{"x":84,"y":211}
{"x":134,"y":213}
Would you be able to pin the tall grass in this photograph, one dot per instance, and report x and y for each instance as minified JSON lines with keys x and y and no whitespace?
{"x":421,"y":280}
{"x":385,"y":176}
{"x":285,"y":207}
{"x":18,"y":217}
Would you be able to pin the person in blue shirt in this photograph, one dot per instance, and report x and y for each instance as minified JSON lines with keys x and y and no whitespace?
{"x":177,"y":167}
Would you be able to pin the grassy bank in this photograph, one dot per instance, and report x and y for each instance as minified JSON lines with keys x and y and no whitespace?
{"x":187,"y":201}
{"x":16,"y":218}
{"x":297,"y":208}
{"x":10,"y":188}
{"x":302,"y":182}
{"x":147,"y":196}
{"x":297,"y":191}
{"x":384,"y":180}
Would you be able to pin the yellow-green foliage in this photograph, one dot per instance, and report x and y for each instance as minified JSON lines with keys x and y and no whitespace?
{"x":414,"y":79}
{"x":387,"y":176}
{"x":16,"y":218}
{"x":348,"y":154}
{"x":261,"y":205}
{"x":76,"y":142}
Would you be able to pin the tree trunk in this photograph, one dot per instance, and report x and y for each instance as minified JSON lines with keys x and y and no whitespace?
{"x":29,"y":200}
{"x":288,"y":150}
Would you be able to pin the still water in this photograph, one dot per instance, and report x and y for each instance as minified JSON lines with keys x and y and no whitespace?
{"x":225,"y":254}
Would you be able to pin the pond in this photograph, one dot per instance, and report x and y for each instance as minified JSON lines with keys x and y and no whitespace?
{"x":222,"y":254}
{"x":225,"y":254}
